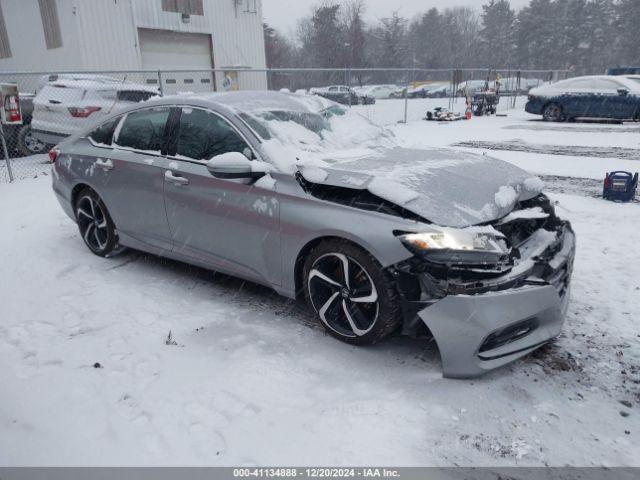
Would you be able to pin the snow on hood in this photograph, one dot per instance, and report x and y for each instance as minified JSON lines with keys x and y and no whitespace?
{"x":446,"y":187}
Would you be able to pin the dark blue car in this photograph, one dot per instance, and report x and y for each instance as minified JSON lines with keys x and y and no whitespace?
{"x":600,"y":96}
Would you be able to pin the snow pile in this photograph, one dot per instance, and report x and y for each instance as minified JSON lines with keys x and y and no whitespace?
{"x":533,"y":184}
{"x":314,"y":174}
{"x":524,"y":214}
{"x":506,"y":197}
{"x":267,"y":182}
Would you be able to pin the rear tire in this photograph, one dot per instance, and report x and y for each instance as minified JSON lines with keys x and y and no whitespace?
{"x":361,"y":307}
{"x":28,"y":144}
{"x":94,"y":222}
{"x":552,"y":113}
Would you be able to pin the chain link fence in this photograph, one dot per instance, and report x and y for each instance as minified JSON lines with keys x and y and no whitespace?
{"x":57,"y":104}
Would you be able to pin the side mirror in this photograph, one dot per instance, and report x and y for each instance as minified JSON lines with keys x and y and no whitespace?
{"x":623,"y":92}
{"x":232,"y":165}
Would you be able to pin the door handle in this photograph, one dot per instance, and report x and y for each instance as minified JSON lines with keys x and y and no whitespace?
{"x":177,"y":180}
{"x":104,"y":164}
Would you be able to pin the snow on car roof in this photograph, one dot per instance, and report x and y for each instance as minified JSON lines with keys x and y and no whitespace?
{"x":99,"y":84}
{"x":625,"y":80}
{"x":262,"y":101}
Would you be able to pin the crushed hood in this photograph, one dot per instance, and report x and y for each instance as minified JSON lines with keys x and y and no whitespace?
{"x":446,"y":187}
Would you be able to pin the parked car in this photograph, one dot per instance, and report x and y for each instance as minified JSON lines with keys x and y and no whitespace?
{"x":344,"y":95}
{"x":599,"y":96}
{"x":399,"y":92}
{"x":623,"y":71}
{"x":374,"y":244}
{"x":64,"y":106}
{"x":510,"y":86}
{"x":440,"y":90}
{"x":470,"y":87}
{"x":376,"y":91}
{"x":429,"y":90}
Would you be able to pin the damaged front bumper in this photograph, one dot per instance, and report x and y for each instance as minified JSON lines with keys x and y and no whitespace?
{"x":482,"y":325}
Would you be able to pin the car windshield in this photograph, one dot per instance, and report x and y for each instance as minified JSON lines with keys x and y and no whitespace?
{"x":267,"y":122}
{"x":311,"y":121}
{"x":310,"y":127}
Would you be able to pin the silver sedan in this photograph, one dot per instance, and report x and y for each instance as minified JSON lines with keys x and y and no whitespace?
{"x":302,"y":195}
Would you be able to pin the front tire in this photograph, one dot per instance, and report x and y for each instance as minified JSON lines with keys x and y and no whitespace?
{"x":354,"y":298}
{"x":552,"y":113}
{"x":94,"y":222}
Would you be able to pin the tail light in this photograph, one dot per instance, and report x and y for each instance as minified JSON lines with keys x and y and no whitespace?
{"x":82,"y":112}
{"x":606,"y":180}
{"x":53,"y":155}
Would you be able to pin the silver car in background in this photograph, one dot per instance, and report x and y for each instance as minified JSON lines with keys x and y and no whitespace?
{"x":306,"y":197}
{"x":70,"y":103}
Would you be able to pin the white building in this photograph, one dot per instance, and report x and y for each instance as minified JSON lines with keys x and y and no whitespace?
{"x":104,"y":35}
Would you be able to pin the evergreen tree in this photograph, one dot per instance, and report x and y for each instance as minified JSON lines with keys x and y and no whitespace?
{"x":497,"y":35}
{"x":322,"y":38}
{"x":628,"y":44}
{"x":599,"y":28}
{"x":279,"y":51}
{"x":426,"y":38}
{"x":356,"y":43}
{"x":395,"y":47}
{"x":536,"y":35}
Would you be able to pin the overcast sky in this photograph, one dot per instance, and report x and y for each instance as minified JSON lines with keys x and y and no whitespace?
{"x":283,"y":14}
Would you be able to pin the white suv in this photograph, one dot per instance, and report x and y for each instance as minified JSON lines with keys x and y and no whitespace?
{"x":66,"y":105}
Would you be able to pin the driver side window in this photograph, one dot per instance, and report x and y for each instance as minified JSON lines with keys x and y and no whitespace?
{"x":202,"y":135}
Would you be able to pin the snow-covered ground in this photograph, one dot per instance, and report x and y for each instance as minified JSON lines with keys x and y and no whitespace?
{"x":88,"y":377}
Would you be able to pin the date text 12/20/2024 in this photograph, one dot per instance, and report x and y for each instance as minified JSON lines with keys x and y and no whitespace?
{"x":315,"y":472}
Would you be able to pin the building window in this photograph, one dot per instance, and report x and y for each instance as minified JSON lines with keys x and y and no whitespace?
{"x":245,"y":6}
{"x":50,"y":23}
{"x":250,"y":6}
{"x":187,"y":7}
{"x":5,"y":48}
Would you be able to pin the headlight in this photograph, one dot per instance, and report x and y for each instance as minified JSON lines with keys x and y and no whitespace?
{"x":466,"y":246}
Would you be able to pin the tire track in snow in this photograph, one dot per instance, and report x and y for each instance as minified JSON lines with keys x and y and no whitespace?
{"x":571,"y":129}
{"x":566,"y":150}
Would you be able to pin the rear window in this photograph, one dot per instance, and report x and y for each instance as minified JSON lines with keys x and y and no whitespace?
{"x":144,"y":129}
{"x":134,"y":96}
{"x":61,"y":94}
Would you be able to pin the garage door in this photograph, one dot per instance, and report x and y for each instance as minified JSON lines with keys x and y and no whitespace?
{"x":167,"y":50}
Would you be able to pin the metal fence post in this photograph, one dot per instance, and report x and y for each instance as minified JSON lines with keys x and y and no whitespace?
{"x":348,"y":75}
{"x":6,"y":153}
{"x":160,"y":83}
{"x":406,"y":99}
